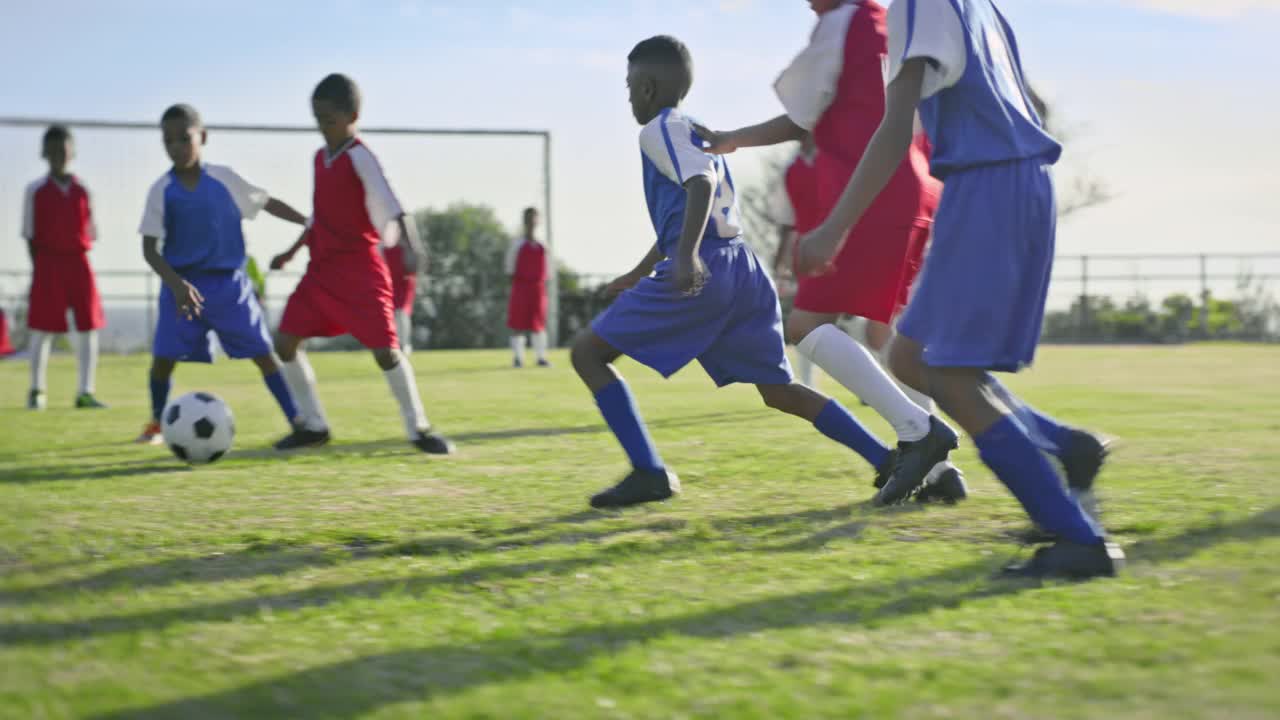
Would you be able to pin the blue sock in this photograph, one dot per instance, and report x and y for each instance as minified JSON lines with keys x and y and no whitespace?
{"x":1049,"y":434}
{"x":276,"y":384}
{"x":159,"y":396}
{"x":620,"y":413}
{"x":1007,"y":449}
{"x":840,"y":425}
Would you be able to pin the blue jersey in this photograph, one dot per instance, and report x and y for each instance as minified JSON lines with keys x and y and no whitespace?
{"x":976,"y":107}
{"x":670,"y":154}
{"x":200,"y":229}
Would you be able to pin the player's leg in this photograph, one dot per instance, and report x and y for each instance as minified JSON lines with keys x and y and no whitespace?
{"x":831,"y":419}
{"x":404,"y":330}
{"x":404,"y":387}
{"x":517,"y":348}
{"x":159,"y":383}
{"x":87,"y":308}
{"x":816,"y":336}
{"x":40,"y":344}
{"x":649,"y":480}
{"x":279,"y":388}
{"x":539,"y":338}
{"x":312,"y":429}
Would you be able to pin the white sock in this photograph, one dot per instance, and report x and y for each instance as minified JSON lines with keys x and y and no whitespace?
{"x":301,"y":380}
{"x":804,"y":369}
{"x":87,"y":357}
{"x":404,"y":328}
{"x":41,"y":345}
{"x":916,"y":396}
{"x":405,"y":388}
{"x":540,"y":345}
{"x":854,"y":367}
{"x":517,"y":347}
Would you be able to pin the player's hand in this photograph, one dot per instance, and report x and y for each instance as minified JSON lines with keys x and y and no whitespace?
{"x":816,"y":251}
{"x":621,"y":284}
{"x":189,"y":300}
{"x":691,"y":276}
{"x":278,"y":262}
{"x":718,"y":143}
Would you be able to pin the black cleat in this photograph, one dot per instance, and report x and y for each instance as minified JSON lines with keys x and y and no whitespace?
{"x":945,"y":484}
{"x":640,"y":486}
{"x":1072,"y":561}
{"x":433,"y":443}
{"x":302,"y":438}
{"x":886,"y":469}
{"x":915,"y":461}
{"x":1083,"y":458}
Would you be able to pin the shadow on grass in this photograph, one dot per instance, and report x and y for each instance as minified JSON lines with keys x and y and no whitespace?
{"x":161,"y":465}
{"x":363,"y":685}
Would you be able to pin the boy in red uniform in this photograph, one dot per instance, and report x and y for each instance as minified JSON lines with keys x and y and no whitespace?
{"x":347,"y":287}
{"x":6,"y":346}
{"x":58,"y":226}
{"x":527,"y":308}
{"x":835,"y":90}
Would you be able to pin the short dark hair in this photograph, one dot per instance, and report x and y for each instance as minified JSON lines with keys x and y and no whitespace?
{"x":531,"y":210}
{"x":339,"y":90}
{"x":184,"y":112}
{"x":666,"y":51}
{"x":56,"y":133}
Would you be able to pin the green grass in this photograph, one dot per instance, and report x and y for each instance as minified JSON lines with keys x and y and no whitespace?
{"x":365,"y":580}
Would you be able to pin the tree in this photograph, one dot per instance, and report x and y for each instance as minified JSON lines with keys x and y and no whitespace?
{"x":1085,"y":190}
{"x":464,"y":302}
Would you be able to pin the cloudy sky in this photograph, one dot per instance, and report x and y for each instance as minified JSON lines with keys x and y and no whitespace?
{"x":1170,"y":102}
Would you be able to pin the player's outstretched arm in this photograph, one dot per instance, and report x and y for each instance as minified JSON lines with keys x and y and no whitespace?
{"x":690,"y":274}
{"x":190,"y":301}
{"x":284,"y":211}
{"x":641,"y":271}
{"x":415,"y":250}
{"x":770,"y":132}
{"x":884,"y":153}
{"x":278,"y":262}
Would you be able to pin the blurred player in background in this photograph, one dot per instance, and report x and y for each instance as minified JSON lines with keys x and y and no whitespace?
{"x":526,"y":266}
{"x":347,"y":287}
{"x":192,"y":237}
{"x":57,"y":222}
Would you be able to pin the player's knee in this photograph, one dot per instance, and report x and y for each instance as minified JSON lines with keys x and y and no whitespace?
{"x":798,"y":327}
{"x":583,"y":354}
{"x":267,"y":364}
{"x":387,"y":358}
{"x":777,"y":397}
{"x":161,"y":368}
{"x":286,"y":347}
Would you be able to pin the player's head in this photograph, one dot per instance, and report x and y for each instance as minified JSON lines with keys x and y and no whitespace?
{"x":336,"y":105}
{"x":530,"y":218}
{"x":659,"y":75}
{"x":57,"y":148}
{"x":184,"y":135}
{"x":821,"y":7}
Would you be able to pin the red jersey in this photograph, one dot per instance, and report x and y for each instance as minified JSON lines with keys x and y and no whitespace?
{"x":56,"y":217}
{"x":801,"y":185}
{"x":353,"y":203}
{"x":527,"y":305}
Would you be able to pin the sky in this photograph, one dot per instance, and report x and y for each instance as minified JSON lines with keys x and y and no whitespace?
{"x":1161,"y":99}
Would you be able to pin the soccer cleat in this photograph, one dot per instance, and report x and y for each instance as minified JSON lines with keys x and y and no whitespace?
{"x":544,"y":363}
{"x":914,"y":462}
{"x":36,"y":400}
{"x":151,"y":434}
{"x":86,"y":401}
{"x":302,"y":438}
{"x":1072,"y":561}
{"x":945,"y":484}
{"x":1082,"y":461}
{"x":640,"y":486}
{"x":433,"y":443}
{"x":886,"y":469}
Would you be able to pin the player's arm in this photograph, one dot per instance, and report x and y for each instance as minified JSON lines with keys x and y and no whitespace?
{"x":29,"y":222}
{"x":190,"y":301}
{"x":690,"y":274}
{"x":884,"y":153}
{"x":782,"y":258}
{"x":770,"y":132}
{"x":276,"y":207}
{"x":279,"y":261}
{"x":641,"y":271}
{"x":415,"y":250}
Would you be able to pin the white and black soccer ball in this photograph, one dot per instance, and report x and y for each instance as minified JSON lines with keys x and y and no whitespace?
{"x":198,"y":428}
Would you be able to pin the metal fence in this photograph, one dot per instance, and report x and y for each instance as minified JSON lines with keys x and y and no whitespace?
{"x":1080,"y":285}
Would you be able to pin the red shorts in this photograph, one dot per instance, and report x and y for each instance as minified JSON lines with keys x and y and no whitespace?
{"x":348,"y":293}
{"x":879,"y":260}
{"x":527,"y":307}
{"x":60,"y":283}
{"x":404,"y":285}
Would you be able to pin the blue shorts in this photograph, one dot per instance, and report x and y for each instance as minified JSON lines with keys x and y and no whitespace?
{"x":979,"y":300}
{"x":733,"y":327}
{"x":231,"y":310}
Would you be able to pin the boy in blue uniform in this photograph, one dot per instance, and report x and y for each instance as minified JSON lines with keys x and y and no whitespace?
{"x":979,"y":301}
{"x":195,"y":211}
{"x":710,"y":298}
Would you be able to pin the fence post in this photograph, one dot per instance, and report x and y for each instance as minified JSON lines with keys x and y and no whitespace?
{"x":1204,"y":295}
{"x":1083,"y":320}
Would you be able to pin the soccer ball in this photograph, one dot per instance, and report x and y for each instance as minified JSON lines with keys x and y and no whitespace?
{"x":198,"y":428}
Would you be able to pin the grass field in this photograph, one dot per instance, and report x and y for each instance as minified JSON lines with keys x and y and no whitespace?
{"x":365,"y":580}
